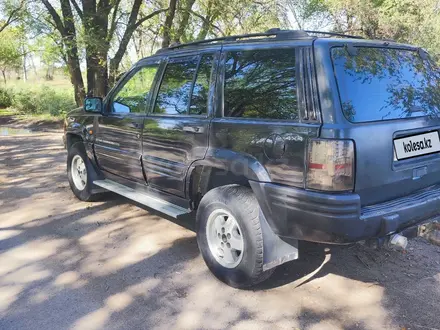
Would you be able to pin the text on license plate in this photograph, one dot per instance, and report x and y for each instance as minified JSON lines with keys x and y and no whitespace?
{"x":417,"y":145}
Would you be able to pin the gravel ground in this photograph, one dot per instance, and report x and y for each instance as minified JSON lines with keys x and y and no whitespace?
{"x":66,"y":264}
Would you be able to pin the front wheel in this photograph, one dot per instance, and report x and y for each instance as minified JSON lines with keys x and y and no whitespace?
{"x":229,"y":236}
{"x":78,"y":172}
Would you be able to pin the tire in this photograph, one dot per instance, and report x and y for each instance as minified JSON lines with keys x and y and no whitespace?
{"x":77,"y":153}
{"x":246,"y":267}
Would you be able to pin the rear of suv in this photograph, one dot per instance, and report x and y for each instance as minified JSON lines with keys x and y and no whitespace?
{"x":269,"y":139}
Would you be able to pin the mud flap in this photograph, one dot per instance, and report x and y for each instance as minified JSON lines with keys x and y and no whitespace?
{"x":276,"y":251}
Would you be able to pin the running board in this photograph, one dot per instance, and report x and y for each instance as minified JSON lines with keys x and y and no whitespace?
{"x":153,"y":202}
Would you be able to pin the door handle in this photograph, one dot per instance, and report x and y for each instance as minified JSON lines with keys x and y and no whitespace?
{"x":193,"y":129}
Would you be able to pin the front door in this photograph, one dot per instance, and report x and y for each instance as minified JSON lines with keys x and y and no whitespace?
{"x":176,"y":131}
{"x":118,"y":144}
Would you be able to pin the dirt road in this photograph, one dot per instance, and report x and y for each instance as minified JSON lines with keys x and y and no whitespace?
{"x":66,"y":264}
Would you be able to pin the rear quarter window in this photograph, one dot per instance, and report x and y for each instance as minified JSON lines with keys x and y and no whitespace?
{"x":383,"y":83}
{"x":261,"y":84}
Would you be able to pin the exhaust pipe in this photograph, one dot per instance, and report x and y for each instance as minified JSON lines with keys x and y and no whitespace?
{"x":398,"y":241}
{"x":429,"y":231}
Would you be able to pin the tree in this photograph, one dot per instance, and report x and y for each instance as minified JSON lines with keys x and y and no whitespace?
{"x":67,"y":30}
{"x":100,"y":22}
{"x":132,"y":25}
{"x":166,"y":37}
{"x":12,"y":11}
{"x":186,"y":11}
{"x":306,"y":14}
{"x":50,"y":53}
{"x":10,"y":55}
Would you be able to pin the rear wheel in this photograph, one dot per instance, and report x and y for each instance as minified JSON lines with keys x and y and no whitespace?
{"x":229,"y":236}
{"x":78,"y":172}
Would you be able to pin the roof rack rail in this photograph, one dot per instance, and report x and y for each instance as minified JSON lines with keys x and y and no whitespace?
{"x":275,"y":32}
{"x":336,"y":34}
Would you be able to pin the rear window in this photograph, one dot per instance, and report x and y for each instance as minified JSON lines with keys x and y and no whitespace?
{"x":383,"y":84}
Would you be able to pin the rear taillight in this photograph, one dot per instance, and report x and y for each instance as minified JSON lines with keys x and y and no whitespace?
{"x":330,"y":165}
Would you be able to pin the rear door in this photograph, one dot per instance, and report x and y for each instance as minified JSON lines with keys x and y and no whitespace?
{"x":118,"y":140}
{"x":176,"y":131}
{"x":391,"y":98}
{"x":264,"y":114}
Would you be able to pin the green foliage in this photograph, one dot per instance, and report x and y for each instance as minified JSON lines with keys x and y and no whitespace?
{"x":11,"y":11}
{"x":43,"y":100}
{"x":51,"y":52}
{"x":10,"y":55}
{"x":411,"y":21}
{"x":5,"y":98}
{"x":96,"y":36}
{"x":306,"y":14}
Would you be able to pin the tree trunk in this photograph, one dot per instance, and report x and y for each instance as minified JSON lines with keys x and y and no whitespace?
{"x":95,"y":22}
{"x":31,"y":57}
{"x":101,"y":81}
{"x":4,"y":76}
{"x":25,"y":76}
{"x":76,"y":79}
{"x":184,"y":22}
{"x":211,"y":15}
{"x":204,"y":29}
{"x":68,"y":32}
{"x":72,"y":52}
{"x":166,"y":37}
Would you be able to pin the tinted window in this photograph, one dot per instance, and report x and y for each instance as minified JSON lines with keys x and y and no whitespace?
{"x":199,"y":98}
{"x":174,"y":92}
{"x":261,"y":84}
{"x":133,"y":96}
{"x":382,"y":84}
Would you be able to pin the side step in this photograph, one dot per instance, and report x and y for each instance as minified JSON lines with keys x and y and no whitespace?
{"x":153,"y":202}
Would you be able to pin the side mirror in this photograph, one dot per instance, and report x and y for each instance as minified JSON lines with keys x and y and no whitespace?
{"x":93,"y":104}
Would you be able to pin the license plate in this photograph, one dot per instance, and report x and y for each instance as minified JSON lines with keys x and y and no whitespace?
{"x":417,"y":145}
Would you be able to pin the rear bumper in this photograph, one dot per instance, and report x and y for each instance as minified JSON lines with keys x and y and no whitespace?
{"x":339,"y":218}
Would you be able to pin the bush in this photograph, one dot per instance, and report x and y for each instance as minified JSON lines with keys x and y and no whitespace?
{"x":44,"y":100}
{"x":25,"y":101}
{"x":5,"y":98}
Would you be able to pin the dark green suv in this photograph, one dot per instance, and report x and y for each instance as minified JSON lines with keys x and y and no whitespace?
{"x":269,"y":139}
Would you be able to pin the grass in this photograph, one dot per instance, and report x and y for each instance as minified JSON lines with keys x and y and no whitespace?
{"x":37,"y":98}
{"x":8,"y":112}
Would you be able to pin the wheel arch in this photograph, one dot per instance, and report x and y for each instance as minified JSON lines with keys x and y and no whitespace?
{"x":220,"y":168}
{"x":72,"y":138}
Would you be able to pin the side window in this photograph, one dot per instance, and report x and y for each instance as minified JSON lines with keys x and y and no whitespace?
{"x":261,"y":84}
{"x":134,"y":94}
{"x":199,"y":98}
{"x":174,"y":92}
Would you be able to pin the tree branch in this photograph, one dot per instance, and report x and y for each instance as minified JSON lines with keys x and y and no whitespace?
{"x":13,"y":16}
{"x":169,"y":18}
{"x":56,"y":18}
{"x":78,"y":10}
{"x":208,"y":22}
{"x":113,"y":21}
{"x":143,"y":19}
